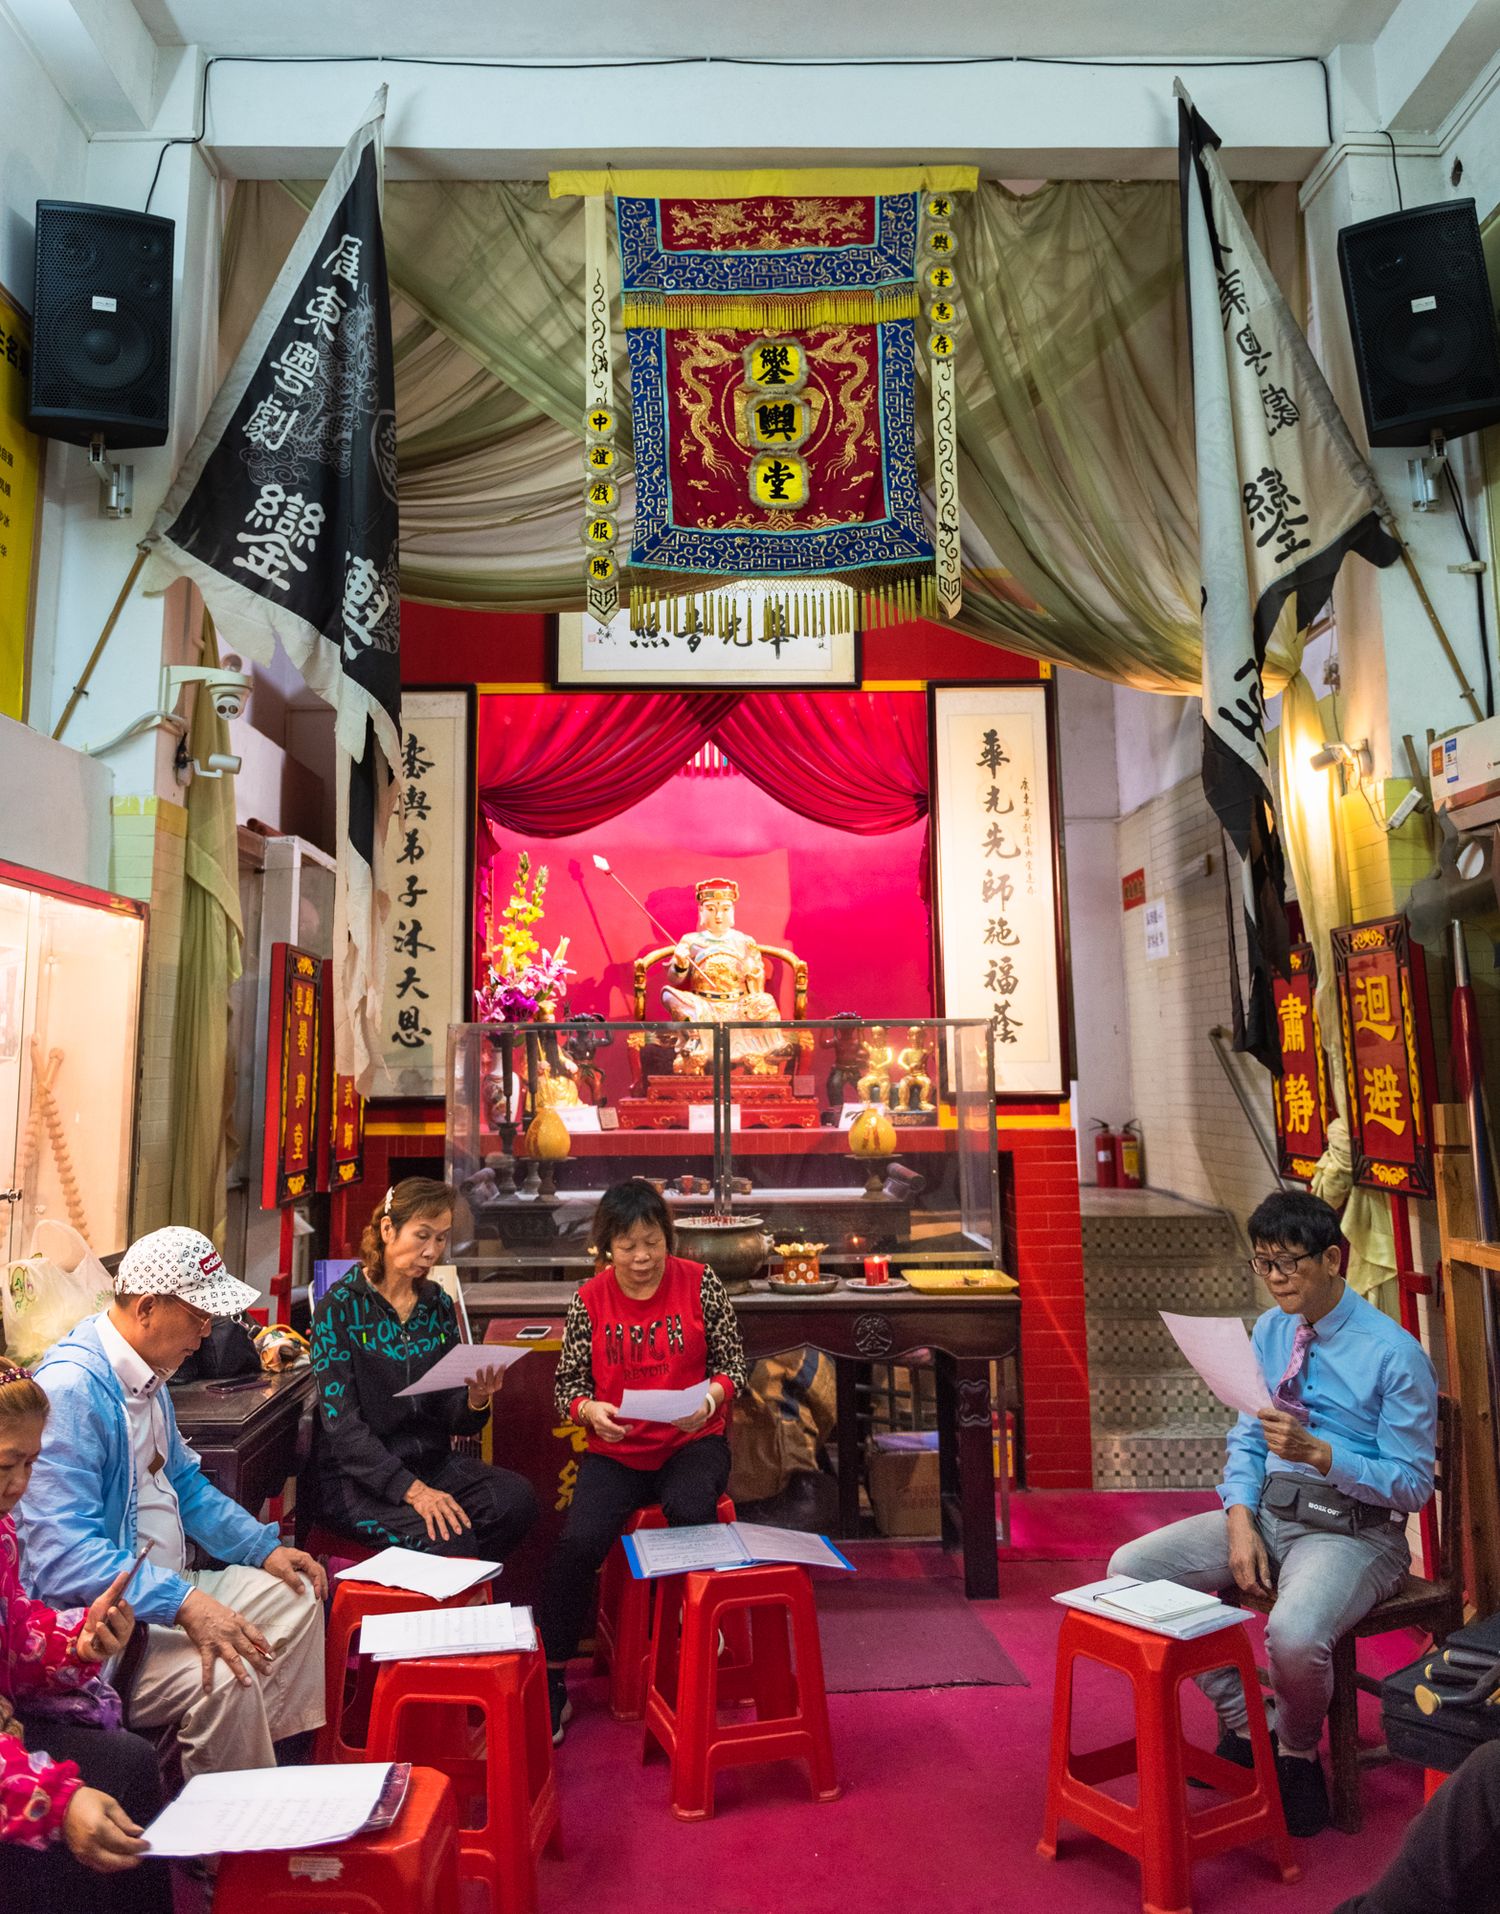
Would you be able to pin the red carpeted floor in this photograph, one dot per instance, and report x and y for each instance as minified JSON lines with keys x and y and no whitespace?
{"x":943,"y":1787}
{"x":1076,"y":1525}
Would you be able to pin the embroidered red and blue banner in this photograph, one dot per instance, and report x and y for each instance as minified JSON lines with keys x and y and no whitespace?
{"x":772,"y":378}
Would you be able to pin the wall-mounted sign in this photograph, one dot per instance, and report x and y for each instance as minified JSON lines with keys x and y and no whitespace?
{"x":1133,"y":890}
{"x":738,"y":638}
{"x":1382,"y":996}
{"x":289,"y":1168}
{"x":21,"y":455}
{"x":428,"y":931}
{"x":999,"y":898}
{"x":1301,"y":1093}
{"x":341,"y":1147}
{"x":1158,"y":940}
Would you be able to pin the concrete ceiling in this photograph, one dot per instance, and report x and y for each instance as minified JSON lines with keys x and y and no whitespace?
{"x":578,"y":29}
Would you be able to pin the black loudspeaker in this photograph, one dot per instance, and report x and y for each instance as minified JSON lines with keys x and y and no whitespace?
{"x":1423,"y":323}
{"x":101,"y":325}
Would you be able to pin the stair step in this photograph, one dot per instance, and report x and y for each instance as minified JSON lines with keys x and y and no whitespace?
{"x":1171,"y":1400}
{"x":1203,"y":1235}
{"x":1138,"y":1342}
{"x":1186,"y":1457}
{"x":1191,"y":1288}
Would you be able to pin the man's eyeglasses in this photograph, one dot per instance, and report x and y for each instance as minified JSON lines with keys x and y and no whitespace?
{"x":200,"y":1317}
{"x":1285,"y":1265}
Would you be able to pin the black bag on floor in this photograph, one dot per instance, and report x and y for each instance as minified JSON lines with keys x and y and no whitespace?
{"x":1440,"y":1740}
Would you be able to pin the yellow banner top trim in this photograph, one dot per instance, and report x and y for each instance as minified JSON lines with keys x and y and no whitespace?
{"x":853,"y":182}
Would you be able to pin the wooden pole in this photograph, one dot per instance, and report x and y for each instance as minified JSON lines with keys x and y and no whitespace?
{"x":80,"y":690}
{"x":1437,"y":624}
{"x":1465,"y":1278}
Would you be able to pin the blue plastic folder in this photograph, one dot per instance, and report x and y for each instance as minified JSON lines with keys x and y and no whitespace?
{"x":716,"y":1545}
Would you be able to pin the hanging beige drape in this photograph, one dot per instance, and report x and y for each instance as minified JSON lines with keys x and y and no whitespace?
{"x":1076,"y":450}
{"x":1314,"y":837}
{"x":209,"y":963}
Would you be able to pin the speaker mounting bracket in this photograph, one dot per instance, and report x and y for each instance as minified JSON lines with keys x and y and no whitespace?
{"x":116,"y":482}
{"x":1426,"y":476}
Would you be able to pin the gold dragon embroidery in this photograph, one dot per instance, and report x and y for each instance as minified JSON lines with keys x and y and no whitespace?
{"x":706,"y":353}
{"x":761,"y":225}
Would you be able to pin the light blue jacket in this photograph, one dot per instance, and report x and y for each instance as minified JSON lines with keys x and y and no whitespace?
{"x":77,"y":1519}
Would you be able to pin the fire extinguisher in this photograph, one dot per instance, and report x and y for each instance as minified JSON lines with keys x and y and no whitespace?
{"x":1130,"y":1156}
{"x":1106,"y":1166}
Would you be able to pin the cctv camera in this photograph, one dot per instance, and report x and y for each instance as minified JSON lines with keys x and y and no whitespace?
{"x":228,"y":688}
{"x":230,"y":691}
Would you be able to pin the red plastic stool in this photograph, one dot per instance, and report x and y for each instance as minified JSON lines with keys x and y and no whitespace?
{"x":688,"y":1681}
{"x":1158,"y":1829}
{"x":622,"y":1627}
{"x":411,"y":1865}
{"x":352,"y":1601}
{"x":413,"y":1719}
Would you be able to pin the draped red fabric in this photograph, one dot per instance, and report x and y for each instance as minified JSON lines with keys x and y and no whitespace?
{"x":550,"y":766}
{"x":854,"y":759}
{"x":553,"y":765}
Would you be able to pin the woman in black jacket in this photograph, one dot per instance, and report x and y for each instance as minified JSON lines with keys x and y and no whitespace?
{"x":385,"y":1465}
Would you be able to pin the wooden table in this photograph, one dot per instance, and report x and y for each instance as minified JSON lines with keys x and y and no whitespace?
{"x":965,"y":1334}
{"x":246,"y":1430}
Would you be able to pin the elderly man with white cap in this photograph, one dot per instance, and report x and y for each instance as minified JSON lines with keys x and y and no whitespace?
{"x":233,"y":1659}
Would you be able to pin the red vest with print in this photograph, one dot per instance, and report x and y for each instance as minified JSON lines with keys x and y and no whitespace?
{"x":658,"y":1344}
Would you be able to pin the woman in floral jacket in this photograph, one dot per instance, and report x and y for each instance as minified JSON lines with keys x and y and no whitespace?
{"x":66,"y":1846}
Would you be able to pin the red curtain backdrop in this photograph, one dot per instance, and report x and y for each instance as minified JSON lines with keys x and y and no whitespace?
{"x":552,"y":765}
{"x":854,"y":759}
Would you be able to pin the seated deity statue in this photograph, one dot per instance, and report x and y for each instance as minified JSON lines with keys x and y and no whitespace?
{"x":719,"y":976}
{"x":916,"y":1085}
{"x":875,"y":1085}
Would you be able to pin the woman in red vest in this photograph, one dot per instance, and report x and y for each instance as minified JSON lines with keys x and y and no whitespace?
{"x":647,"y":1320}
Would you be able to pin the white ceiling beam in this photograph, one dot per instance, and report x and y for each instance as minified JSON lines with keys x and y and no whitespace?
{"x":99,"y":56}
{"x":1115,"y":122}
{"x":1428,"y":55}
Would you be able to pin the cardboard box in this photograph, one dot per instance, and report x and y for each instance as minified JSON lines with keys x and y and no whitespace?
{"x":903,"y":1477}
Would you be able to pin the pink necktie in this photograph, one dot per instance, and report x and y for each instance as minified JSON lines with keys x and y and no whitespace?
{"x":1284,"y":1397}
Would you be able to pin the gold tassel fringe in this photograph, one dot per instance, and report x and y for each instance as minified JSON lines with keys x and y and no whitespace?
{"x":775,"y":312}
{"x":797,"y":611}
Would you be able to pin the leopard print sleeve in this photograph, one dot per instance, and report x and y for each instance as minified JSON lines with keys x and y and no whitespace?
{"x":575,"y":1361}
{"x":721,"y":1330}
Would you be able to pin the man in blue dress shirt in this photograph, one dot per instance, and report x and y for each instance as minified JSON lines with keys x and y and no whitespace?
{"x":1316,"y":1489}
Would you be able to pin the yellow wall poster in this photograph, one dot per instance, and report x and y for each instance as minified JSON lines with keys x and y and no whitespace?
{"x":20,"y":493}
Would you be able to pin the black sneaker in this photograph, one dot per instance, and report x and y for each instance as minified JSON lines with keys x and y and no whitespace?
{"x":562,"y":1708}
{"x":1304,"y":1795}
{"x":1234,"y":1747}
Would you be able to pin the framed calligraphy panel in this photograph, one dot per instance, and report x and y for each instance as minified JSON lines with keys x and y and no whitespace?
{"x":731,"y":639}
{"x":1301,"y":1091}
{"x":294,"y":1026}
{"x":341,"y":1136}
{"x":1000,"y":935}
{"x":1388,"y":1070}
{"x":429,"y":959}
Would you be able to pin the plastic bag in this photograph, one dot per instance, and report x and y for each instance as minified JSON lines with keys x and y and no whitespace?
{"x":52,"y":1290}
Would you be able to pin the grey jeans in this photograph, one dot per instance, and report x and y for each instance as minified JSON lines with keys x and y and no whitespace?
{"x":1324,"y":1584}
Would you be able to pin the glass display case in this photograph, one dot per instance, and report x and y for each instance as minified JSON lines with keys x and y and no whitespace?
{"x":863,"y":1138}
{"x":70,"y":986}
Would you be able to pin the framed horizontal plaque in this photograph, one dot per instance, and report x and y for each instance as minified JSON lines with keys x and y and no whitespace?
{"x":749,"y":637}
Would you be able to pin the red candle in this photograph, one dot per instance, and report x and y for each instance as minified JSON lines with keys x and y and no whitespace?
{"x":877,"y":1268}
